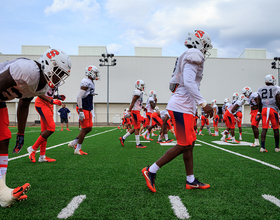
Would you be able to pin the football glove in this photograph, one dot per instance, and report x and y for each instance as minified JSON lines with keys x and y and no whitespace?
{"x":56,"y":102}
{"x":61,"y":97}
{"x":258,"y":117}
{"x":19,"y":143}
{"x":81,"y":116}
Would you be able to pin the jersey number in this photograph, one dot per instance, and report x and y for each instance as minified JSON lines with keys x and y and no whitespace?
{"x":264,"y":94}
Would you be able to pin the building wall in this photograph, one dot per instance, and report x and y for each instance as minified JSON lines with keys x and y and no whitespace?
{"x":222,"y":77}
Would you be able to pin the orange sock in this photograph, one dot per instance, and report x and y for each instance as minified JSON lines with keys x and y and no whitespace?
{"x":39,"y":141}
{"x":43,"y":147}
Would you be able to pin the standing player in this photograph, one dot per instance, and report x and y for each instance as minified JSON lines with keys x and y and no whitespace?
{"x":44,"y":106}
{"x":204,"y":121}
{"x":182,"y":107}
{"x":150,"y":106}
{"x":84,"y":107}
{"x":23,"y":79}
{"x":224,"y":109}
{"x":215,"y":117}
{"x":238,"y":118}
{"x":134,"y":109}
{"x":252,"y":99}
{"x":268,"y":104}
{"x":64,"y":113}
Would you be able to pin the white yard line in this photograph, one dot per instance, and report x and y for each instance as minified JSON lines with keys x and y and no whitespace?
{"x":69,"y":210}
{"x":179,"y":209}
{"x":272,"y":199}
{"x":241,"y":155}
{"x":24,"y":155}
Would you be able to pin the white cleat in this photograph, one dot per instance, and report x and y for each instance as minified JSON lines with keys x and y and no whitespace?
{"x":72,"y":144}
{"x":30,"y":150}
{"x":262,"y":150}
{"x":223,"y":139}
{"x":277,"y":150}
{"x":255,"y":145}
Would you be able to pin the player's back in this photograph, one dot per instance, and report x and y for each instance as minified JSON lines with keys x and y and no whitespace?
{"x":268,"y":96}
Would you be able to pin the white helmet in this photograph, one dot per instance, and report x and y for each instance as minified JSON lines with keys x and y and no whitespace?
{"x":247,"y":91}
{"x":199,"y":39}
{"x":55,"y":62}
{"x":156,"y":109}
{"x":242,"y":98}
{"x":92,"y":72}
{"x":139,"y":84}
{"x":269,"y":79}
{"x":226,"y":100}
{"x":152,"y":93}
{"x":214,"y":101}
{"x":235,"y":96}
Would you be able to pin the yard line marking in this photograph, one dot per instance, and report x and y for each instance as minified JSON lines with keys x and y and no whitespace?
{"x":179,"y":209}
{"x":241,"y":155}
{"x":272,"y":199}
{"x":24,"y":155}
{"x":69,"y":210}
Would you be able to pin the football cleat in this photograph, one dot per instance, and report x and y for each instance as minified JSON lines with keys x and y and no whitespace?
{"x":119,"y":127}
{"x":235,"y":141}
{"x":197,"y":185}
{"x":46,"y":159}
{"x":21,"y":190}
{"x":223,"y":139}
{"x":31,"y":153}
{"x":160,"y":142}
{"x":155,"y":135}
{"x":61,"y":129}
{"x":145,"y":137}
{"x":150,"y":178}
{"x":277,"y":149}
{"x":80,"y":152}
{"x":122,"y":141}
{"x":67,"y":129}
{"x":200,"y":134}
{"x":140,"y":146}
{"x":169,"y":140}
{"x":22,"y":198}
{"x":72,"y":144}
{"x":262,"y":150}
{"x":255,"y":145}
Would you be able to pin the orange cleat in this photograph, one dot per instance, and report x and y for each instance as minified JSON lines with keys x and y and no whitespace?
{"x":80,"y":152}
{"x":150,"y":178}
{"x":46,"y":159}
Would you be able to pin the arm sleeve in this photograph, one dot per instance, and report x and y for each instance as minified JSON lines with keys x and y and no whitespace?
{"x":69,"y":115}
{"x":79,"y":98}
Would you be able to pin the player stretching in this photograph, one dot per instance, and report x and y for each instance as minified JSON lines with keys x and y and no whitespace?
{"x":84,"y":107}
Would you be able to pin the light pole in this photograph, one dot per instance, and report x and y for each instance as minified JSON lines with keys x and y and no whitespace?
{"x":107,"y":60}
{"x":273,"y":66}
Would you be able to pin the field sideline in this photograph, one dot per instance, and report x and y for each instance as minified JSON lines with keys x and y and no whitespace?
{"x":107,"y":183}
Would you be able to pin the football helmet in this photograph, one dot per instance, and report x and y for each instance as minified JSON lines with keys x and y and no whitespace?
{"x":152,"y":93}
{"x":226,"y":100}
{"x":242,"y":98}
{"x":269,"y":79}
{"x":247,"y":91}
{"x":235,"y":96}
{"x":92,"y":72}
{"x":214,"y":101}
{"x":55,"y":62}
{"x":156,"y":109}
{"x":200,"y":40}
{"x":139,"y":84}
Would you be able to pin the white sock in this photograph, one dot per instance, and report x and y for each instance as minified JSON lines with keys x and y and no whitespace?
{"x":148,"y":135}
{"x":79,"y":146}
{"x":145,"y":132}
{"x":126,"y":135}
{"x":190,"y":178}
{"x":137,"y":139}
{"x":166,"y":137}
{"x":154,"y":168}
{"x":42,"y":156}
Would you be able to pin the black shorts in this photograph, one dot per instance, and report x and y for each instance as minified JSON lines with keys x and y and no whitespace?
{"x":62,"y":120}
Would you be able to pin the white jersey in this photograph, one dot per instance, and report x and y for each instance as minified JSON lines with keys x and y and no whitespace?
{"x":215,"y":107}
{"x":139,"y":102}
{"x":87,"y":98}
{"x":235,"y":102}
{"x":163,"y":114}
{"x":26,"y":74}
{"x":251,"y":99}
{"x":268,"y":96}
{"x":148,"y":105}
{"x":187,"y":74}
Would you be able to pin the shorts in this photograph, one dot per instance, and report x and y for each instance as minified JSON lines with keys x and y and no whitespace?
{"x":216,"y":121}
{"x":183,"y":127}
{"x":254,"y":122}
{"x":46,"y":114}
{"x":87,"y":122}
{"x":136,"y":119}
{"x":63,"y":120}
{"x":204,"y":120}
{"x":229,"y":120}
{"x":239,"y":119}
{"x":4,"y":123}
{"x":269,"y":114}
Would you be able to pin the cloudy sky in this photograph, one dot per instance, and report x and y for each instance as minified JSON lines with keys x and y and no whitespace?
{"x":122,"y":25}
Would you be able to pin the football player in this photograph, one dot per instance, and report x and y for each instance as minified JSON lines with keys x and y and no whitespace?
{"x":268,"y":105}
{"x":44,"y":106}
{"x":23,"y":79}
{"x":135,"y":107}
{"x":204,"y":121}
{"x":215,"y":117}
{"x":252,"y":99}
{"x":84,"y":107}
{"x":181,"y":107}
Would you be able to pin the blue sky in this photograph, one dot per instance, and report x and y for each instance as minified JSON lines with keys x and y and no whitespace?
{"x":122,"y":25}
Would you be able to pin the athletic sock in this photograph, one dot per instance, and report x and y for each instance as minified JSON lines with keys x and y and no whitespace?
{"x":154,"y":168}
{"x":137,"y":139}
{"x":190,"y":178}
{"x":126,"y":135}
{"x":79,"y":146}
{"x":39,"y":141}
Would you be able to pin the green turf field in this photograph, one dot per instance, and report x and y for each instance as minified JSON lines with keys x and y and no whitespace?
{"x":109,"y":184}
